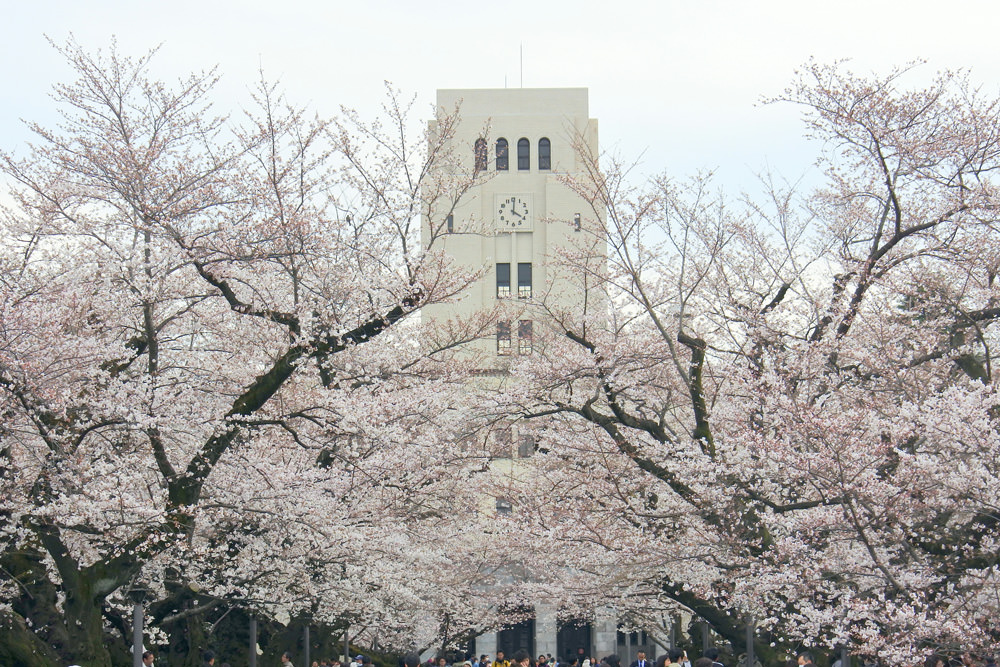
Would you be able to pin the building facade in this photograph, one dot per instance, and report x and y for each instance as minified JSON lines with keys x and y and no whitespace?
{"x":524,"y":141}
{"x":514,"y":226}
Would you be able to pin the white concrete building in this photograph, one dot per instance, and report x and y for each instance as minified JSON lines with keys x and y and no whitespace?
{"x":524,"y":140}
{"x":513,"y":225}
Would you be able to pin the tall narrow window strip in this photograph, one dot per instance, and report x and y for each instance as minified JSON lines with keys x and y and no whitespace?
{"x":451,"y":224}
{"x":544,"y":154}
{"x":503,"y":162}
{"x":576,"y":222}
{"x":523,"y":154}
{"x":526,"y":445}
{"x":503,"y":338}
{"x":524,"y":337}
{"x":503,"y":280}
{"x":481,"y":154}
{"x":503,"y":440}
{"x":524,"y":280}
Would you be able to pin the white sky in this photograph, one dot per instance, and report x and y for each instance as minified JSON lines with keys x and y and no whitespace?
{"x":676,"y":82}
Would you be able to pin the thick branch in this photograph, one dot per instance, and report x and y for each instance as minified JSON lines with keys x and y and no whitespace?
{"x":238,"y":306}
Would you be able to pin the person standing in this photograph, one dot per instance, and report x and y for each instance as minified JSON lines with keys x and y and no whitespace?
{"x":147,"y":659}
{"x":521,"y":659}
{"x":640,"y":660}
{"x":286,"y":659}
{"x":712,"y":654}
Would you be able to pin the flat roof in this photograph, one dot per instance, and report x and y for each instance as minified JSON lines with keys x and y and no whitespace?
{"x":516,"y":101}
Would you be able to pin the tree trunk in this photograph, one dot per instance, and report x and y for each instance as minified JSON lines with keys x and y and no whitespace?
{"x":20,"y":647}
{"x":72,"y":635}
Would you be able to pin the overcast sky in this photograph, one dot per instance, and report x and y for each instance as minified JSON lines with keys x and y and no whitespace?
{"x":678,"y":83}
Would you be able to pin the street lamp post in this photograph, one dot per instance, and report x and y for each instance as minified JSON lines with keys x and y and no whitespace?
{"x":138,"y":595}
{"x":253,"y":641}
{"x":305,"y":640}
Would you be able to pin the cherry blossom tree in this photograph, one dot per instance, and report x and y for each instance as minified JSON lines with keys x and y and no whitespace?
{"x":788,"y":412}
{"x":210,"y":373}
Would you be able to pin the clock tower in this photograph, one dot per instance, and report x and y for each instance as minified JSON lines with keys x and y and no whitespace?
{"x":515,"y":224}
{"x":516,"y":227}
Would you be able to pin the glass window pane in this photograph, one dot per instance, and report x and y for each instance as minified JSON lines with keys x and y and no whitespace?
{"x":524,"y":280}
{"x":502,"y":438}
{"x":503,"y":337}
{"x":481,"y":154}
{"x":503,"y":280}
{"x":502,"y":155}
{"x":526,"y":445}
{"x":524,"y":335}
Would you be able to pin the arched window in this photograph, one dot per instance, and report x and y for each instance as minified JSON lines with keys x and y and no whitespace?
{"x":544,"y":154}
{"x":502,"y":155}
{"x":523,"y":154}
{"x":481,"y":154}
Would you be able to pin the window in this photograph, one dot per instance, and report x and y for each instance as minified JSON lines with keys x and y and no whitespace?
{"x":503,"y":280}
{"x":451,"y":224}
{"x":526,"y":445}
{"x":504,"y":506}
{"x":503,"y":338}
{"x":523,"y":154}
{"x":576,"y":222}
{"x":481,"y":154}
{"x":524,"y":280}
{"x":502,"y":155}
{"x":544,"y":154}
{"x":502,"y":439}
{"x":524,"y":337}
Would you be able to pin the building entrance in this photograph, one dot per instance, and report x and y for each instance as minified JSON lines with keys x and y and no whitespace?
{"x":513,"y":638}
{"x":571,"y":637}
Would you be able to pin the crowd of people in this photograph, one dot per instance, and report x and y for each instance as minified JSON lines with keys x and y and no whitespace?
{"x":675,"y":657}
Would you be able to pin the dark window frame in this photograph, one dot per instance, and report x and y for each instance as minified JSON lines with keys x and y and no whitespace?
{"x":504,"y":439}
{"x":527,"y":445}
{"x":503,"y":155}
{"x":525,"y":337}
{"x":524,"y":280}
{"x":503,"y":280}
{"x":503,"y":338}
{"x":523,"y":154}
{"x":481,"y":153}
{"x":544,"y":154}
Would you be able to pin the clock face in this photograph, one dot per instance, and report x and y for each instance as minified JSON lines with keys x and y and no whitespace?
{"x":513,"y":212}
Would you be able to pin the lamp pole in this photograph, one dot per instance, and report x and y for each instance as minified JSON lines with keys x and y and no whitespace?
{"x":305,"y":640}
{"x":137,"y":595}
{"x":253,"y":641}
